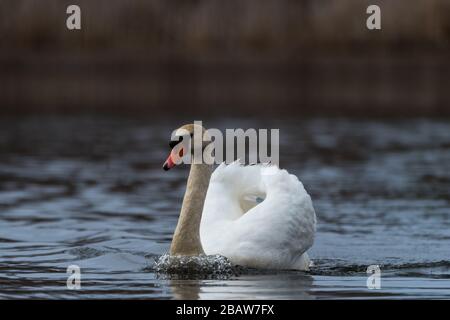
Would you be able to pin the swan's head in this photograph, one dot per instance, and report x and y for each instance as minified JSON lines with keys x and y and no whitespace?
{"x":183,"y":142}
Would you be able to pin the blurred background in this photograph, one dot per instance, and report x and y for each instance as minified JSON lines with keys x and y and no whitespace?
{"x":225,"y":58}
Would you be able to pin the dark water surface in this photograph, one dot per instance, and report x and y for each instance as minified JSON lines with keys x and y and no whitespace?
{"x":91,"y":192}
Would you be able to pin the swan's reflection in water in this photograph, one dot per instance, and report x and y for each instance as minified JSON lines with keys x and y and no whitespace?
{"x":286,"y":285}
{"x":185,"y":289}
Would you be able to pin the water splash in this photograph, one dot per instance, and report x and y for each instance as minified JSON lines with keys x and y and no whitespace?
{"x":202,"y":266}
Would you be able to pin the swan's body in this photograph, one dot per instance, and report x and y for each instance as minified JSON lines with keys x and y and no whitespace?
{"x":257,"y":216}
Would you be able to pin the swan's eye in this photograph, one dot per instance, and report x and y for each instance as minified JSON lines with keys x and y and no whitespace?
{"x":181,"y":153}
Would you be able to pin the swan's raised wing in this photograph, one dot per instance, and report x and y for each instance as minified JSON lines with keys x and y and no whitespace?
{"x":276,"y":231}
{"x":282,"y":226}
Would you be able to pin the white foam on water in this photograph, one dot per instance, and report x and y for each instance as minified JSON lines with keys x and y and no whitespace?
{"x":211,"y":266}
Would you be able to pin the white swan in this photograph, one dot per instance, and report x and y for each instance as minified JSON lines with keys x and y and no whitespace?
{"x":256,"y":216}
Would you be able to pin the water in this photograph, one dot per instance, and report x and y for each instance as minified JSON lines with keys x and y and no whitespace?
{"x":90,"y":191}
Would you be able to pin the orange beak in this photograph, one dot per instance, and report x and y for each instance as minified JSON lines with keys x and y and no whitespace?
{"x":170,"y":162}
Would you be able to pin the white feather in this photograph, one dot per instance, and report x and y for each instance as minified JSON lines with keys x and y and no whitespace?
{"x":258,"y":216}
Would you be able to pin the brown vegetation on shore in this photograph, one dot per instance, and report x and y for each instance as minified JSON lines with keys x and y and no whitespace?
{"x":298,"y":56}
{"x":196,"y":27}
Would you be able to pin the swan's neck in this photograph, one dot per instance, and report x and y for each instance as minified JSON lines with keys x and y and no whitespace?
{"x":186,"y":239}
